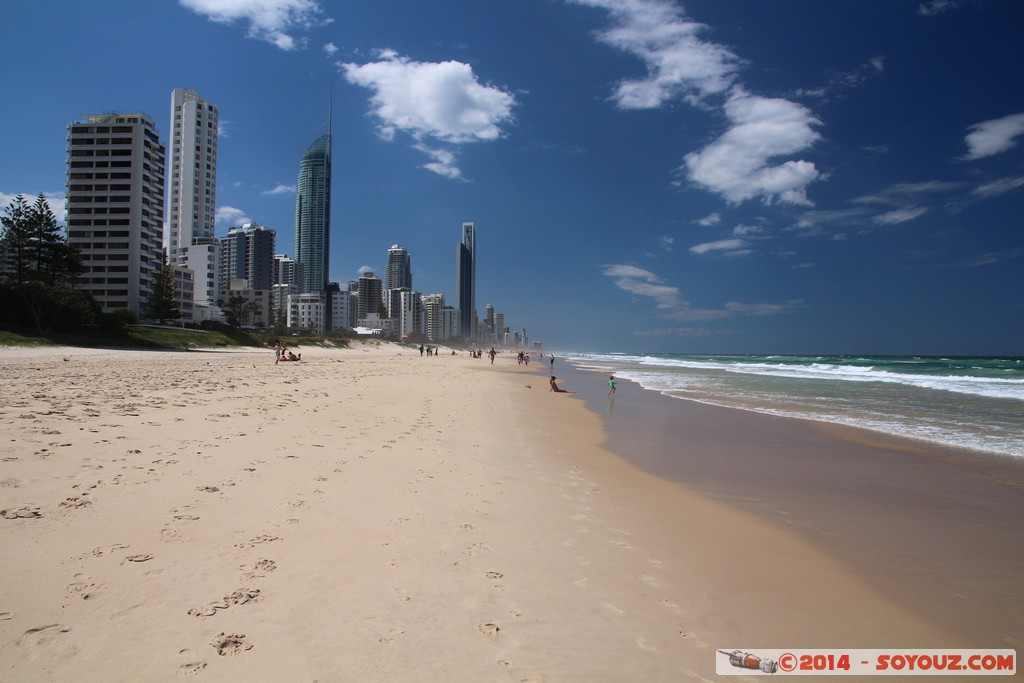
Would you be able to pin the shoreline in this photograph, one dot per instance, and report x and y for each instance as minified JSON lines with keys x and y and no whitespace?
{"x":370,"y":515}
{"x":935,"y":529}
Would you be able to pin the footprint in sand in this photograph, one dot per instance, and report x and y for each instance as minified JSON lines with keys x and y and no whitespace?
{"x":230,"y":643}
{"x":262,"y":538}
{"x":21,"y":513}
{"x":191,"y":668}
{"x":143,"y":557}
{"x":207,"y":489}
{"x":42,"y":634}
{"x":102,"y":550}
{"x":489,"y":629}
{"x":207,"y":610}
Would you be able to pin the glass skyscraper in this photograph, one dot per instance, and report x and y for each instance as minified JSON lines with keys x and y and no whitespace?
{"x":313,"y":214}
{"x":465,"y":285}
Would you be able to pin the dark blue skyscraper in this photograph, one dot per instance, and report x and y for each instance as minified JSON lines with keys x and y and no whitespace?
{"x":465,"y":281}
{"x":313,"y":214}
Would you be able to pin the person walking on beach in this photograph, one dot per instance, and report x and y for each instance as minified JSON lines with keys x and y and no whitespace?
{"x":552,"y":363}
{"x":611,"y":385}
{"x":554,"y":387}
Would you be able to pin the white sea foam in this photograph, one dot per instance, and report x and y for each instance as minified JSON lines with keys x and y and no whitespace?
{"x":965,"y":411}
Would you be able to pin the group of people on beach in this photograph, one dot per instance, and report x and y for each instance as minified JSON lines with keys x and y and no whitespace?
{"x":281,"y":353}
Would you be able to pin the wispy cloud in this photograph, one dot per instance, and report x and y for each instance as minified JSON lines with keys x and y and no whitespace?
{"x":330,"y":49}
{"x":840,"y":82}
{"x":643,"y":282}
{"x":741,"y":163}
{"x":272,"y":21}
{"x":229,"y":216}
{"x":989,"y":138}
{"x":440,"y":101}
{"x":280,"y":188}
{"x":679,"y":62}
{"x":710,"y":219}
{"x":999,"y":187}
{"x":670,"y":305}
{"x":992,"y":258}
{"x":899,"y":215}
{"x":730,"y":247}
{"x":933,"y":7}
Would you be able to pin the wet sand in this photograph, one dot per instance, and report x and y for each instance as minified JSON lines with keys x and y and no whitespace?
{"x":935,"y":530}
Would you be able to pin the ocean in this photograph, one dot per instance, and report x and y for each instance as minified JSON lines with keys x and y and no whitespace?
{"x":969,"y":403}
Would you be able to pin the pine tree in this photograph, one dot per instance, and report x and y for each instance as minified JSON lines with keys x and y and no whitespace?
{"x":45,"y":242}
{"x":14,"y":245}
{"x":161,"y":304}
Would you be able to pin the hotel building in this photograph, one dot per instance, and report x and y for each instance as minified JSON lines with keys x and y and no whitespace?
{"x":115,"y":206}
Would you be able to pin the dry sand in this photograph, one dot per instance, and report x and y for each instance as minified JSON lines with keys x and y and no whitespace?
{"x":371,"y":515}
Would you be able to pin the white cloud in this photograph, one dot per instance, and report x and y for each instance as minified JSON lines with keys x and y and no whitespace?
{"x":678,"y":61}
{"x":933,"y":7}
{"x":644,"y":283}
{"x":268,"y":20}
{"x":229,"y":216}
{"x":998,"y":187}
{"x":734,"y":246}
{"x":280,"y":188}
{"x":666,"y":242}
{"x":742,"y":230}
{"x":443,"y":101}
{"x":993,"y":137}
{"x":762,"y":309}
{"x":736,"y":165}
{"x":710,"y":219}
{"x":330,"y":49}
{"x":443,"y":162}
{"x":899,"y":215}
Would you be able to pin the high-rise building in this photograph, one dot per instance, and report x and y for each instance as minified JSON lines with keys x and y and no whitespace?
{"x":192,"y":190}
{"x":370,"y":295}
{"x":115,"y":206}
{"x":399,"y":271}
{"x":247,"y":253}
{"x":465,"y":281}
{"x":313,"y":214}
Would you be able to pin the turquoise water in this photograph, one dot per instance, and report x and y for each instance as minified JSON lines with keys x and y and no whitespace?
{"x":972,"y":403}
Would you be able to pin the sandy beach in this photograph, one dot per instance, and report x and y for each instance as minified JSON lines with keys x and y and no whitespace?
{"x":373,"y":515}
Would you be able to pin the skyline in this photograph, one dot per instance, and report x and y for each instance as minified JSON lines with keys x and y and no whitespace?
{"x":793,"y":177}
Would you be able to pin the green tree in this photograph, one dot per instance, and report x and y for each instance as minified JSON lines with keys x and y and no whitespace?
{"x":14,"y":244}
{"x":162,"y":304}
{"x":45,"y":242}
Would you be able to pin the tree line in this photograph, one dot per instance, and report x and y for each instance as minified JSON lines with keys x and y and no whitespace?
{"x":40,"y":276}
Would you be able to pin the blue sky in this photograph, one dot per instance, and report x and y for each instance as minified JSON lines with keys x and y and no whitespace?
{"x":707,"y":176}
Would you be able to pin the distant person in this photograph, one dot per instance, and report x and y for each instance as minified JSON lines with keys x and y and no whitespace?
{"x":554,"y":387}
{"x":552,"y":362}
{"x":421,"y":350}
{"x":611,"y":385}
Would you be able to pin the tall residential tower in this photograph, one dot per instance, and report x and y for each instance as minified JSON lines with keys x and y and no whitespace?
{"x":465,"y":281}
{"x":399,"y":271}
{"x":192,"y":190}
{"x":115,"y":206}
{"x":313,"y":214}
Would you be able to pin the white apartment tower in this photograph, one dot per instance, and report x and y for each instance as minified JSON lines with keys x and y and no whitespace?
{"x":192,"y":190}
{"x":115,"y":206}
